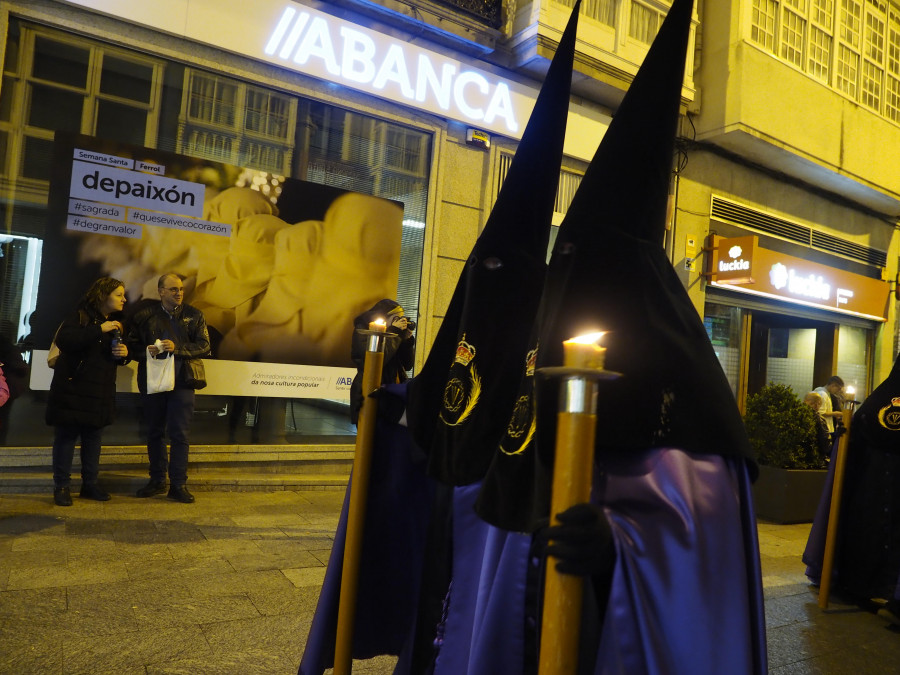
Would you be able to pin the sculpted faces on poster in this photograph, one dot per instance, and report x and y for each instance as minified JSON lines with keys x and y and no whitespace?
{"x":279,"y":267}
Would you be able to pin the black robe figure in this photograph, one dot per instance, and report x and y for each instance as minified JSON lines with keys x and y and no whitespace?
{"x":459,"y":404}
{"x":671,"y":516}
{"x":679,"y":551}
{"x":867,"y":559}
{"x":609,"y":272}
{"x":481,"y":340}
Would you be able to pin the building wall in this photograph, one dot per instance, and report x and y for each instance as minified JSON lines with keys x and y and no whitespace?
{"x":751,"y":104}
{"x":799,"y":116}
{"x":792,"y":119}
{"x":461,"y":212}
{"x":793,"y":147}
{"x":709,"y":173}
{"x":93,"y":26}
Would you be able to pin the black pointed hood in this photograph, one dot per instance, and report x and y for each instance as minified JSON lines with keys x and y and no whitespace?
{"x":877,"y":421}
{"x":609,"y":272}
{"x":461,"y":399}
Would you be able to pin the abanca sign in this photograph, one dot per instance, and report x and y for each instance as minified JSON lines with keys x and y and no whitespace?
{"x":319,"y":44}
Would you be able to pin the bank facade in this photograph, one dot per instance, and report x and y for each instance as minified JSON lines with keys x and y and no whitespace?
{"x":783,"y":141}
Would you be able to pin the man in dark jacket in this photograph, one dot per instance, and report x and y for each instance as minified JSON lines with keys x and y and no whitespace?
{"x":168,"y":327}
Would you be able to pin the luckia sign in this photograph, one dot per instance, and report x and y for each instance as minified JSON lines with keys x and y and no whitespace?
{"x":808,"y":285}
{"x":735,"y":261}
{"x":322,"y":45}
{"x":739,"y":264}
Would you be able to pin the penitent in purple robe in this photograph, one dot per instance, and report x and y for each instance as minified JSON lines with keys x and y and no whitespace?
{"x":393,"y":547}
{"x":686,"y":592}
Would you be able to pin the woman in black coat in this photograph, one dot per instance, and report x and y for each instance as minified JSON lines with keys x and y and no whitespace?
{"x":83,"y":390}
{"x":399,"y":348}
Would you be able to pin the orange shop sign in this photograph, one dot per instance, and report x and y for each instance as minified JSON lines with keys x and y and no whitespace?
{"x":740,"y":264}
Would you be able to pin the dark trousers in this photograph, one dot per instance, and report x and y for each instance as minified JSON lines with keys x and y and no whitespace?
{"x":169,"y":413}
{"x":64,"y":438}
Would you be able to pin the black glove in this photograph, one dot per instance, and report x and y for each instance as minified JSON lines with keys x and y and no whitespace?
{"x":390,"y":406}
{"x":839,"y":431}
{"x":582,"y":542}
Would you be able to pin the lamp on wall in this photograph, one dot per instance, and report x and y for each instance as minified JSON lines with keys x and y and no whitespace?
{"x":478,"y":138}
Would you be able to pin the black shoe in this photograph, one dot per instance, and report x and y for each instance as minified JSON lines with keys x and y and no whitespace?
{"x":62,"y":496}
{"x":180,"y":494}
{"x":93,"y":491}
{"x":154,"y":487}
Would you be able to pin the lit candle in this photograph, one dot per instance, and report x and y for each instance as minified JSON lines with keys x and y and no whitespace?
{"x":584,"y":352}
{"x":378,"y":324}
{"x":851,"y":393}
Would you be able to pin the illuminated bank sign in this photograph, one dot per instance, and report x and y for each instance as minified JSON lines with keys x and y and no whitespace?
{"x":322,"y":45}
{"x":306,"y":40}
{"x":740,"y":265}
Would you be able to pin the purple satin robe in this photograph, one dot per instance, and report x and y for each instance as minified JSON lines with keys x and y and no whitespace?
{"x":686,"y":593}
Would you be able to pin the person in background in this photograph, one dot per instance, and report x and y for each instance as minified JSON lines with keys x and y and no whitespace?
{"x":83,"y":390}
{"x":867,"y":554}
{"x":832,"y":402}
{"x":399,"y":348}
{"x":823,"y":440}
{"x":174,"y":327}
{"x":15,"y":370}
{"x":4,"y":389}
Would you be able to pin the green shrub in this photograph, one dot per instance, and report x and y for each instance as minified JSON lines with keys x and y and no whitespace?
{"x":782,"y":429}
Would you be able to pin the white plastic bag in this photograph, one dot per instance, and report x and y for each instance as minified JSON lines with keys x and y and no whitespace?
{"x":53,"y":354}
{"x":160,"y":373}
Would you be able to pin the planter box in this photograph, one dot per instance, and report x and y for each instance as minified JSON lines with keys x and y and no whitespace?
{"x":788,"y":495}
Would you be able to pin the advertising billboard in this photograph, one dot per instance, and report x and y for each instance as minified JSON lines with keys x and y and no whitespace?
{"x":279,"y":266}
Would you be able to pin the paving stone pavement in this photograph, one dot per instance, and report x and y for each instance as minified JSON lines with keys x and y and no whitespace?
{"x":228,"y":585}
{"x":802,"y":638}
{"x":151,"y":586}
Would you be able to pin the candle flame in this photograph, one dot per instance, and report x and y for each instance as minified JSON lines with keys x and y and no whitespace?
{"x":380,"y":322}
{"x":850,"y":390}
{"x":584,"y":352}
{"x":588,"y":338}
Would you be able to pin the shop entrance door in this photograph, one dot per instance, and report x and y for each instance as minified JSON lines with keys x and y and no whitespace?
{"x":800,"y":353}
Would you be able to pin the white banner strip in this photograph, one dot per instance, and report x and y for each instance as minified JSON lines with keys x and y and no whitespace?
{"x":235,"y":378}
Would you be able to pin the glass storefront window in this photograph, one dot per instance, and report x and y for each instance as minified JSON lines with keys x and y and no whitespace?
{"x":119,"y":122}
{"x":57,"y":81}
{"x":37,"y":160}
{"x":53,"y":108}
{"x":791,"y":358}
{"x":852,"y":364}
{"x":355,"y":152}
{"x":126,"y":79}
{"x":786,"y":349}
{"x":60,"y":62}
{"x":723,"y":326}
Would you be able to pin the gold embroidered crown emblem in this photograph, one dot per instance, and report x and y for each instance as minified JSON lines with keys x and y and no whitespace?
{"x":530,"y":360}
{"x":464,"y":352}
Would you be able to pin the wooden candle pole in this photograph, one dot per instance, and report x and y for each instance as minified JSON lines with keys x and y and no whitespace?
{"x":359,"y":493}
{"x":840,"y":461}
{"x":572,"y":472}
